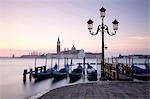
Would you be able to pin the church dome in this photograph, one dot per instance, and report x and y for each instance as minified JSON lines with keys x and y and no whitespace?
{"x":73,"y":48}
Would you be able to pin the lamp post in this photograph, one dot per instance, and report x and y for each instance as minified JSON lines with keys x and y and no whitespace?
{"x":102,"y":28}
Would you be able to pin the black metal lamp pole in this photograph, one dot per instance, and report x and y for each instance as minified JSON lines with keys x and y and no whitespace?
{"x":102,"y":28}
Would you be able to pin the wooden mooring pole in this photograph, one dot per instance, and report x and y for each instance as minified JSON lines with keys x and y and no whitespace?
{"x":35,"y":61}
{"x":51,"y":62}
{"x":30,"y":75}
{"x":148,"y":59}
{"x":67,"y":60}
{"x":126,"y":60}
{"x":44,"y":68}
{"x":129,"y":59}
{"x":46,"y":60}
{"x":71,"y":63}
{"x":36,"y":69}
{"x":108,"y":59}
{"x":58,"y":62}
{"x":24,"y":75}
{"x":98,"y":70}
{"x":112,"y":59}
{"x":117,"y":71}
{"x":84,"y":66}
{"x":64,"y":61}
{"x":132,"y":61}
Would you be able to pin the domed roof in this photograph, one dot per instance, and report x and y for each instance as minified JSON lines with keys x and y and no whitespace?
{"x":73,"y":48}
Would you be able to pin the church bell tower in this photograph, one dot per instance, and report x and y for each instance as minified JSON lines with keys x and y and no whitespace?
{"x":58,"y":46}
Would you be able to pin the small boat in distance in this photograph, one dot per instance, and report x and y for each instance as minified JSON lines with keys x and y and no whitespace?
{"x":91,"y":73}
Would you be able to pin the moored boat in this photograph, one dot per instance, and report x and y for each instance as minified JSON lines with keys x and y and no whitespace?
{"x":60,"y":74}
{"x":91,"y":73}
{"x":139,"y":69}
{"x":43,"y":75}
{"x":144,"y":77}
{"x":141,"y":73}
{"x":76,"y":73}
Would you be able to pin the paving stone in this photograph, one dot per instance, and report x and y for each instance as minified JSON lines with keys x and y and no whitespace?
{"x":102,"y":90}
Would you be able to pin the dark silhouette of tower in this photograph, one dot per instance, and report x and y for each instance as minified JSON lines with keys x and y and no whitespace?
{"x":58,"y":46}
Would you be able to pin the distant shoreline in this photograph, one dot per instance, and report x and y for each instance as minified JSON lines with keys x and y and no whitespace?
{"x":141,"y":56}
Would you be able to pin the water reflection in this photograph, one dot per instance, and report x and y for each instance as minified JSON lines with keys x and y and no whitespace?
{"x":11,"y":81}
{"x":12,"y":84}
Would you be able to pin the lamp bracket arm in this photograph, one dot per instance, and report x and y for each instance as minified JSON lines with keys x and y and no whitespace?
{"x":111,"y":34}
{"x":106,"y":28}
{"x":98,"y":29}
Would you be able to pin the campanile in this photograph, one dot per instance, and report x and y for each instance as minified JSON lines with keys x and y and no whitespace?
{"x":58,"y":46}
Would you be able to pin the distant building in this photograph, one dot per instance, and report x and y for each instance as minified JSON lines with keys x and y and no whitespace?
{"x":13,"y":56}
{"x":72,"y":53}
{"x":58,"y":46}
{"x":34,"y":54}
{"x":134,"y":56}
{"x":93,"y":55}
{"x":138,"y":56}
{"x":29,"y":56}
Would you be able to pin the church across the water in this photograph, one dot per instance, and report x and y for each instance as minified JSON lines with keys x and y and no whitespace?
{"x":72,"y":53}
{"x":67,"y":53}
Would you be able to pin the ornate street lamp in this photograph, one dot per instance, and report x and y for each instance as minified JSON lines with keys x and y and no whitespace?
{"x":90,"y":24}
{"x":102,"y":12}
{"x":102,"y":28}
{"x":115,"y":25}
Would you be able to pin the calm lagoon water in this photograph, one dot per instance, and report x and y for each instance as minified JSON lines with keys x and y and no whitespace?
{"x":11,"y":78}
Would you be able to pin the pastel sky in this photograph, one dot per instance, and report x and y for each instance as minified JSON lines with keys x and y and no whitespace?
{"x":28,"y":25}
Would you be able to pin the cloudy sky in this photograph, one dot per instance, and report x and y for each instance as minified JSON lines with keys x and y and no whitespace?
{"x":28,"y":25}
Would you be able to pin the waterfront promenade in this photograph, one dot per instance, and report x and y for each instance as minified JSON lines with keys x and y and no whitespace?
{"x":101,"y":90}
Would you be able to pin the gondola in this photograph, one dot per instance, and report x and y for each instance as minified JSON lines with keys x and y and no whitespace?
{"x":91,"y":73}
{"x":141,"y":73}
{"x":44,"y":75}
{"x":76,"y":73}
{"x":60,"y":74}
{"x":144,"y":77}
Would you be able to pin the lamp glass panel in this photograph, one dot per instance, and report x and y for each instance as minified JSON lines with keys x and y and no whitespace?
{"x":115,"y":26}
{"x":102,"y":14}
{"x":90,"y":26}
